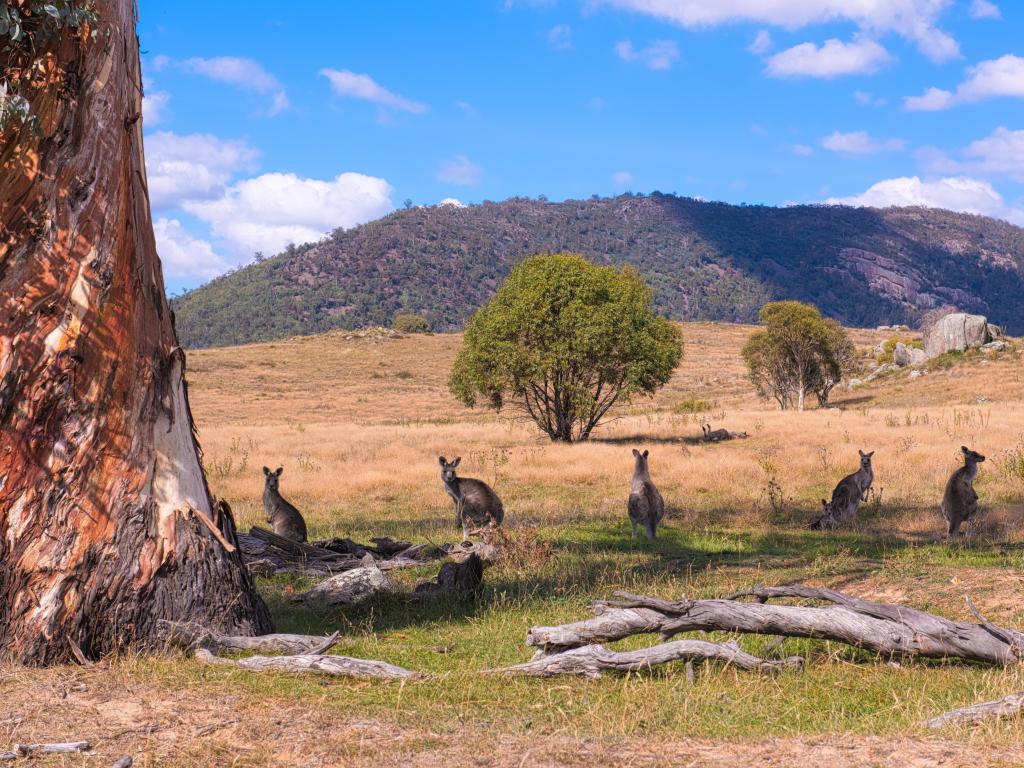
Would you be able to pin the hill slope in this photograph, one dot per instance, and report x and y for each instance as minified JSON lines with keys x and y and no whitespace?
{"x":705,"y":261}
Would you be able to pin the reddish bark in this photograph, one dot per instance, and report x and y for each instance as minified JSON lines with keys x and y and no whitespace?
{"x":102,"y":495}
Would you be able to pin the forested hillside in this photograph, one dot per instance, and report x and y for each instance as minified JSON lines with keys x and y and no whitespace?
{"x":703,"y":260}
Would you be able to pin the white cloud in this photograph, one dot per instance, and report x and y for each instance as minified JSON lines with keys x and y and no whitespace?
{"x":868,"y":99}
{"x":984,"y":9}
{"x":833,"y":59}
{"x":1001,"y":153}
{"x":244,"y":74}
{"x":622,"y":178}
{"x":196,"y":166}
{"x":467,"y":108}
{"x":959,"y":193}
{"x":183,"y":256}
{"x":460,"y":170}
{"x":988,"y":79}
{"x":560,"y":38}
{"x":803,"y":150}
{"x":659,"y":55}
{"x":268,"y":212}
{"x":859,"y":143}
{"x":762,"y":43}
{"x":352,"y":85}
{"x":154,"y":105}
{"x":451,"y":202}
{"x":914,"y":20}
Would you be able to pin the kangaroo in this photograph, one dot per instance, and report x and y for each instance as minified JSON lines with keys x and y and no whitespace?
{"x":960,"y":501}
{"x":282,"y":516}
{"x":646,"y":507}
{"x":718,"y":435}
{"x":847,"y":496}
{"x":476,"y":505}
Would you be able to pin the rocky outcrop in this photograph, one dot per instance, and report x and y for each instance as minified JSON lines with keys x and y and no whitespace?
{"x":958,"y":332}
{"x":904,"y":355}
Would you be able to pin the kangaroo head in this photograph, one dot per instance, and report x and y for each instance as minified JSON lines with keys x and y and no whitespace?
{"x":641,"y":458}
{"x":448,"y":468}
{"x":865,"y":459}
{"x":273,"y":478}
{"x":971,"y":457}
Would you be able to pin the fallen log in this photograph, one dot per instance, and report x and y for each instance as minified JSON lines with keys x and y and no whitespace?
{"x":60,"y":748}
{"x":590,"y":660}
{"x":1000,"y":709}
{"x":891,"y":630}
{"x":190,"y":636}
{"x":342,"y":666}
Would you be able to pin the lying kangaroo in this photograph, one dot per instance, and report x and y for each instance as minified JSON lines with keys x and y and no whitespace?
{"x":718,"y":435}
{"x":646,"y":507}
{"x":960,"y":501}
{"x":847,"y":496}
{"x":476,"y":505}
{"x":282,"y":516}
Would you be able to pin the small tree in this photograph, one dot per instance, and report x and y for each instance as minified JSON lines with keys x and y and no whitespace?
{"x":563,"y":341}
{"x":797,"y":352}
{"x":406,"y":322}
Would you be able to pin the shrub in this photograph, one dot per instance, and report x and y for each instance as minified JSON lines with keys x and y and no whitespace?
{"x":408,"y":323}
{"x":692,"y":405}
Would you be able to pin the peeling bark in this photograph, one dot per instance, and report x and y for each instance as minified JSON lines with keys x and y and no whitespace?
{"x":105,"y":525}
{"x":590,"y":660}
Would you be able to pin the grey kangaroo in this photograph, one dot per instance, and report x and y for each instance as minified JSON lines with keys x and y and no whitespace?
{"x":718,"y":435}
{"x":646,"y":507}
{"x":960,"y":501}
{"x":282,"y":516}
{"x":476,"y":505}
{"x":848,"y":495}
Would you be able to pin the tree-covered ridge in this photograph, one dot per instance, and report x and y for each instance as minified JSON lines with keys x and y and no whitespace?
{"x":703,"y":260}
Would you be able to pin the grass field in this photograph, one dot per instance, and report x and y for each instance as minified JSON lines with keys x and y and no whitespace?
{"x":358,"y":423}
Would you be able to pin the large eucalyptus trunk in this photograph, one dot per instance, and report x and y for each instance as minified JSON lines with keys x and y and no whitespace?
{"x":106,"y":521}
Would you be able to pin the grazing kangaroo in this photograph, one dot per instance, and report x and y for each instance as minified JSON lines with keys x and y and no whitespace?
{"x":960,"y":501}
{"x":646,"y":507}
{"x":847,"y":496}
{"x":718,"y":435}
{"x":476,"y":505}
{"x":282,"y":516}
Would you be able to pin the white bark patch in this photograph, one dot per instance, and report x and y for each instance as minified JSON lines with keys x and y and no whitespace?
{"x":78,"y":306}
{"x":177,"y":481}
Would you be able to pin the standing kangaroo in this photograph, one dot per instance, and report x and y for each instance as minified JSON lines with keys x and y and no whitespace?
{"x":646,"y":507}
{"x":960,"y":501}
{"x":476,"y":505}
{"x":282,"y":516}
{"x":847,"y":496}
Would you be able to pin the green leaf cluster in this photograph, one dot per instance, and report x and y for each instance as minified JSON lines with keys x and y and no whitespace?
{"x":564,"y":340}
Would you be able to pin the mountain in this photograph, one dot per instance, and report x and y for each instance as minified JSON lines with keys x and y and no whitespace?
{"x":703,"y":260}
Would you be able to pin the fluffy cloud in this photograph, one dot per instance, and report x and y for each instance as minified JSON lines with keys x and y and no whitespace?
{"x":914,"y":20}
{"x":460,"y":170}
{"x":660,"y":54}
{"x":183,"y":256}
{"x":351,"y":85}
{"x":959,"y":193}
{"x":832,"y":59}
{"x":154,"y":103}
{"x":984,"y":9}
{"x":196,"y":166}
{"x":859,"y":143}
{"x":244,"y":74}
{"x":622,"y":178}
{"x":762,"y":43}
{"x":560,"y":38}
{"x":268,"y":212}
{"x":803,"y":150}
{"x":988,"y":79}
{"x":1001,"y":153}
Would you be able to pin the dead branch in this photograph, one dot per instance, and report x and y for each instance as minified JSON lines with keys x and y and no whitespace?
{"x":589,"y":660}
{"x":1006,"y":707}
{"x":189,"y":636}
{"x":60,"y":748}
{"x":342,"y":666}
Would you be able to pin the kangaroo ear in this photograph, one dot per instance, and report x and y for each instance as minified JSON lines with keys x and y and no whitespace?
{"x":636,"y":452}
{"x":456,"y":462}
{"x":442,"y":460}
{"x":278,"y":471}
{"x":266,"y":471}
{"x":869,"y":455}
{"x":645,"y":453}
{"x":964,"y":450}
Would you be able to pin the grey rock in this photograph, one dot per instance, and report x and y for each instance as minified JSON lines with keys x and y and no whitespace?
{"x":347,"y":588}
{"x":957,"y":332}
{"x":994,"y":346}
{"x":903,"y":355}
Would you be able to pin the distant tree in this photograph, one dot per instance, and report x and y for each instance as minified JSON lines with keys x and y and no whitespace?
{"x":406,"y":322}
{"x":408,"y":203}
{"x":797,"y":353}
{"x":563,"y":341}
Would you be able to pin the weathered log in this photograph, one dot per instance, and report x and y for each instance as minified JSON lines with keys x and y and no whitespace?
{"x":1000,"y":709}
{"x":348,"y":588}
{"x":342,"y":666}
{"x":189,"y":636}
{"x":106,"y":515}
{"x":60,"y":748}
{"x":878,"y":627}
{"x":590,"y":660}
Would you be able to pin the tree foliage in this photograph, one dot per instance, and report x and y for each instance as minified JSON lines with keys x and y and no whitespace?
{"x":406,"y":322}
{"x":799,"y":352}
{"x":563,"y":341}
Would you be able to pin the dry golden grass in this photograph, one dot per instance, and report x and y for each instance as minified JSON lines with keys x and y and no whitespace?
{"x":358,"y":425}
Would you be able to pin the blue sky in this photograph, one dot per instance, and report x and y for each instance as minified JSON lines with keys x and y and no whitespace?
{"x":264,"y":128}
